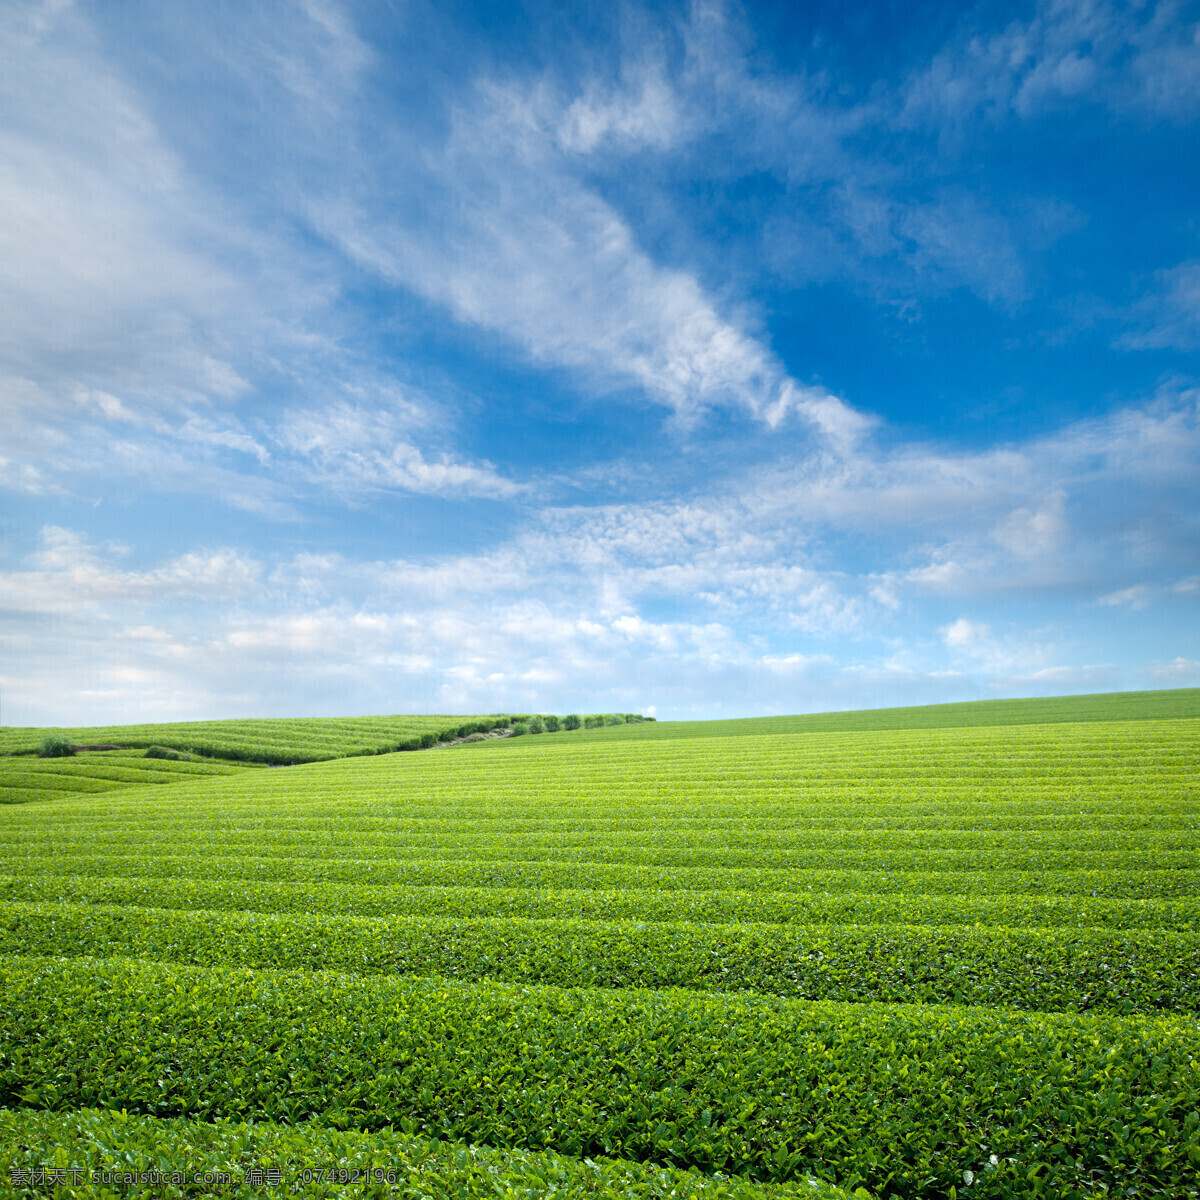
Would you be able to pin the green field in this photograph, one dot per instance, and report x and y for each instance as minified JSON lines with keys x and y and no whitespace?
{"x":1111,"y":706}
{"x":926,"y":957}
{"x":25,"y":778}
{"x":298,"y":740}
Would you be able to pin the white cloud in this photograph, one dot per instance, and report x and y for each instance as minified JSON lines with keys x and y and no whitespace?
{"x":1142,"y":57}
{"x":67,"y":573}
{"x":107,"y":275}
{"x":1136,"y":598}
{"x":964,"y":633}
{"x":1033,"y":533}
{"x":1169,"y":317}
{"x":350,"y":449}
{"x":558,"y":273}
{"x":554,"y":627}
{"x":1180,"y":672}
{"x":642,"y":111}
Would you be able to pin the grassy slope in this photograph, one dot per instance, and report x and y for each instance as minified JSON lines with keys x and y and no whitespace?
{"x":277,"y":740}
{"x":25,"y":778}
{"x":1113,"y":706}
{"x":1046,"y":867}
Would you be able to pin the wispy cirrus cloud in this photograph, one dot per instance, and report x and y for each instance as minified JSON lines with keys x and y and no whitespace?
{"x":351,"y":450}
{"x":1127,"y":56}
{"x":532,"y":253}
{"x":1169,"y":315}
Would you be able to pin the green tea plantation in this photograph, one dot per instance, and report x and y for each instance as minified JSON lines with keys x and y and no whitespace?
{"x":916,"y":953}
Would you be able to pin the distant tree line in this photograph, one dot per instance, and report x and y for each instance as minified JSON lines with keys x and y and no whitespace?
{"x":541,"y":724}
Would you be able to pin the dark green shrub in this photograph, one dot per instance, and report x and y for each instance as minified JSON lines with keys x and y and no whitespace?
{"x":592,"y":722}
{"x":164,"y":752}
{"x":428,"y":740}
{"x":614,"y":719}
{"x":54,"y":745}
{"x":633,"y":718}
{"x":519,"y":728}
{"x":537,"y":725}
{"x":572,"y":721}
{"x":553,"y":724}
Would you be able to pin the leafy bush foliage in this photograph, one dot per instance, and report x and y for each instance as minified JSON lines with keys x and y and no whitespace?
{"x":1036,"y":969}
{"x":1114,"y":1099}
{"x":164,"y":753}
{"x":519,"y":729}
{"x":614,"y":719}
{"x":593,"y":722}
{"x":192,"y":889}
{"x":537,"y":725}
{"x":401,"y":1165}
{"x":572,"y":721}
{"x":55,"y":745}
{"x":553,"y":724}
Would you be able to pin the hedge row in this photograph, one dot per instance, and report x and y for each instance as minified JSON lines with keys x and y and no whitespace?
{"x":612,"y":904}
{"x":389,"y":1164}
{"x":505,"y":872}
{"x":292,"y":813}
{"x":685,"y":846}
{"x":1034,"y":969}
{"x":907,"y":1100}
{"x":26,"y":779}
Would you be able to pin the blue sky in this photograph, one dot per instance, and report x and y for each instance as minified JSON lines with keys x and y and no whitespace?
{"x":699,"y":359}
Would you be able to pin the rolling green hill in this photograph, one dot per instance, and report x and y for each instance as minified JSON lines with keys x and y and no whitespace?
{"x":279,"y":741}
{"x":1174,"y":704}
{"x":25,"y":778}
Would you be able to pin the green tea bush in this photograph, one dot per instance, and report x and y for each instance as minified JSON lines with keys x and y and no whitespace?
{"x":1033,"y":969}
{"x":55,"y":745}
{"x":189,"y":890}
{"x":393,"y":1163}
{"x":553,"y":724}
{"x":163,"y":752}
{"x":1040,"y":1104}
{"x":572,"y":721}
